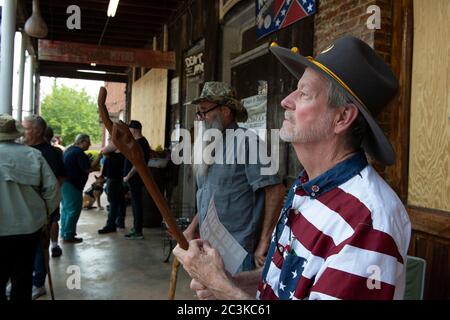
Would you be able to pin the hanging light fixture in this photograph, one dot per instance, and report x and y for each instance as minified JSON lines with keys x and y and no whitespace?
{"x":112,"y":8}
{"x":35,"y":25}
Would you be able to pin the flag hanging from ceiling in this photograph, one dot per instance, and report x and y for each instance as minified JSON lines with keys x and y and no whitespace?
{"x":273,"y":15}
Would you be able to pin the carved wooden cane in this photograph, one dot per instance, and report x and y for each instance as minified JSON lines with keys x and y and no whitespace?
{"x":124,"y":141}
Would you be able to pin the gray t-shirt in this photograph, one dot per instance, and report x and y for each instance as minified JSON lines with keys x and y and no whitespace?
{"x":238,"y":196}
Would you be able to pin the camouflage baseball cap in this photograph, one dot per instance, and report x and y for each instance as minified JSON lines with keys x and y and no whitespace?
{"x":222,"y":93}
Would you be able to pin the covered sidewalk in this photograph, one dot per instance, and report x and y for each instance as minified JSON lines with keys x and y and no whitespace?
{"x":112,"y":267}
{"x":86,"y":41}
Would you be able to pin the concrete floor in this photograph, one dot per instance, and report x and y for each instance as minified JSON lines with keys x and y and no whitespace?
{"x":112,"y":267}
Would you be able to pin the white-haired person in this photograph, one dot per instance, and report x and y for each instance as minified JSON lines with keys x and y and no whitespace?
{"x":29,"y":192}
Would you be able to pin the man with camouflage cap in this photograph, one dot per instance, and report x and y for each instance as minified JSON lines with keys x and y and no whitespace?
{"x":247,"y":202}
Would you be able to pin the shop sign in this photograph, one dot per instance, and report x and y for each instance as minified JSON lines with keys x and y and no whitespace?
{"x":193,"y":65}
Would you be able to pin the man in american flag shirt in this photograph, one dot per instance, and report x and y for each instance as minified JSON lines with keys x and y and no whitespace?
{"x":343,"y":232}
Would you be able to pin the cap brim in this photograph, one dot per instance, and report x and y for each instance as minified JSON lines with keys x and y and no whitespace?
{"x":203,"y":99}
{"x":375,"y":142}
{"x":195,"y":101}
{"x":241,"y":115}
{"x":10,"y":136}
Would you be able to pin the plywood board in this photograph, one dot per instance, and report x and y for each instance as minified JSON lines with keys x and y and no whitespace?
{"x":149,"y":104}
{"x":429,"y":176}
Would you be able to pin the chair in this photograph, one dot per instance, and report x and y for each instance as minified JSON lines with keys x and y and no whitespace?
{"x":415,"y":278}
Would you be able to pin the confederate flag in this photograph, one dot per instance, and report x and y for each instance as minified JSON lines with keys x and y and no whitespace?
{"x":272,"y":15}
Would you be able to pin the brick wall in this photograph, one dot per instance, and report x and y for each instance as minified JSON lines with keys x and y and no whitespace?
{"x":115,"y":101}
{"x":335,"y":18}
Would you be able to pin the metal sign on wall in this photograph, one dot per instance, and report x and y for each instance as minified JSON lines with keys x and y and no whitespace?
{"x":193,"y":65}
{"x":174,"y":90}
{"x":257,"y":112}
{"x":273,"y":15}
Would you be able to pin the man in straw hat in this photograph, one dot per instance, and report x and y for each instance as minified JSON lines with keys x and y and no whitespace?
{"x":343,"y":233}
{"x":28,"y":193}
{"x":247,"y":203}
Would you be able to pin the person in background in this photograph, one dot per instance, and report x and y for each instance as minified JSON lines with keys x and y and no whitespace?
{"x":57,"y":142}
{"x":35,"y":128}
{"x":134,"y":181}
{"x":112,"y":170}
{"x":78,"y":167}
{"x":29,"y":192}
{"x":54,"y":229}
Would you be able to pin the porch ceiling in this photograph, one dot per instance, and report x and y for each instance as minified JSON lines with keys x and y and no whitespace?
{"x":134,"y":25}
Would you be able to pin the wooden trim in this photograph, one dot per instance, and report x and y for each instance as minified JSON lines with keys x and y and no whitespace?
{"x":86,"y":76}
{"x":225,"y":6}
{"x":61,"y":51}
{"x":211,"y":41}
{"x":430,"y":221}
{"x":401,"y":63}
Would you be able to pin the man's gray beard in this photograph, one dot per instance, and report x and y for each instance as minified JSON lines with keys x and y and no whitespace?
{"x":317,"y":132}
{"x":201,"y":169}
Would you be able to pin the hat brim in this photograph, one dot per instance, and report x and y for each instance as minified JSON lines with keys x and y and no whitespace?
{"x":214,"y":99}
{"x":10,"y":136}
{"x":375,"y":142}
{"x":241,"y":112}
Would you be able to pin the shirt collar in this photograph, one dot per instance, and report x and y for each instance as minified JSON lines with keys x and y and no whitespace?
{"x":334,"y":177}
{"x":233,"y":125}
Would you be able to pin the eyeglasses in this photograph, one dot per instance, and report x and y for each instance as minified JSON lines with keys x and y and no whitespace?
{"x":202,"y":114}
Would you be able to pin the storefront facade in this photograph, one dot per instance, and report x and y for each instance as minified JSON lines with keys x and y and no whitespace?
{"x":223,"y":34}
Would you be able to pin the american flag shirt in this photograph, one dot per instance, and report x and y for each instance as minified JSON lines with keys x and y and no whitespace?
{"x":342,"y":235}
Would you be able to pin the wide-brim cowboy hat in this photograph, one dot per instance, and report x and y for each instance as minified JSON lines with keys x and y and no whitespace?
{"x":369,"y":83}
{"x":10,"y":129}
{"x":222,"y":94}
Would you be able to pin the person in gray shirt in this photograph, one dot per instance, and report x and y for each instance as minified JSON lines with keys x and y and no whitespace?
{"x":247,"y":202}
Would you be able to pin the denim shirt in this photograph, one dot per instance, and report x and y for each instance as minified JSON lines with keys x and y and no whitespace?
{"x":238,"y":191}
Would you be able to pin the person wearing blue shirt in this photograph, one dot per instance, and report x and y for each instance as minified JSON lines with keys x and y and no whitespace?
{"x":78,"y":167}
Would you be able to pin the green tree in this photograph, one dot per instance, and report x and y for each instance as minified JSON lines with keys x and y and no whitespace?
{"x":70,"y":112}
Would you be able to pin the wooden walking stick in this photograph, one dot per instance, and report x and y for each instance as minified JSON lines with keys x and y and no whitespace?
{"x":173,"y":278}
{"x":124,"y":141}
{"x":49,"y":275}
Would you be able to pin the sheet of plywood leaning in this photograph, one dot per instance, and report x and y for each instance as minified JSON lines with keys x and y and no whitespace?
{"x":429,"y":166}
{"x":148,"y":105}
